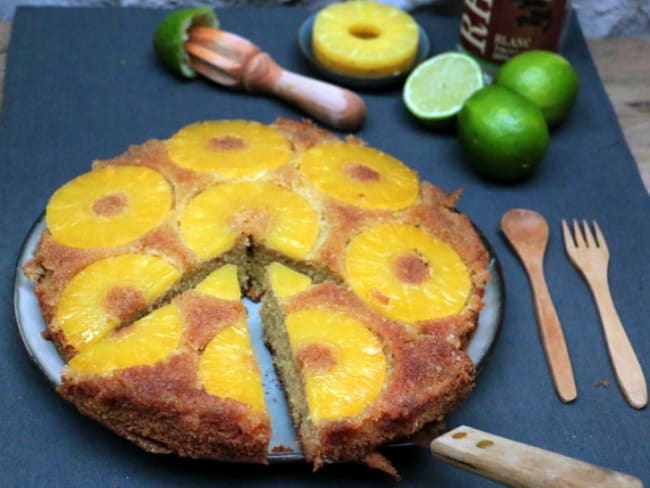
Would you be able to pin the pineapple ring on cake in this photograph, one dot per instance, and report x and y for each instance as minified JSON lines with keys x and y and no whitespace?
{"x":108,"y":207}
{"x":354,"y":379}
{"x":335,"y":351}
{"x":279,"y":218}
{"x":144,"y":380}
{"x":365,"y":38}
{"x":228,"y":368}
{"x":222,"y":283}
{"x":152,"y":338}
{"x":107,"y":292}
{"x":229,"y":148}
{"x":285,"y":281}
{"x":360,"y":175}
{"x":407,"y":274}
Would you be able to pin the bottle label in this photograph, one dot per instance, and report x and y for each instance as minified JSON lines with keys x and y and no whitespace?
{"x":496,"y":30}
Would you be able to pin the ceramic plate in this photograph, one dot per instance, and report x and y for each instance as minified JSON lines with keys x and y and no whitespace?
{"x":305,"y":43}
{"x":31,"y":326}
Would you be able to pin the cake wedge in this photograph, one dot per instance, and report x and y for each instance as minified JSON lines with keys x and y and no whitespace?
{"x":355,"y":379}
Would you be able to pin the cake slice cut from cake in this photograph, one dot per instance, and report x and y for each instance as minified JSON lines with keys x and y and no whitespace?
{"x":182,"y":379}
{"x":354,"y":379}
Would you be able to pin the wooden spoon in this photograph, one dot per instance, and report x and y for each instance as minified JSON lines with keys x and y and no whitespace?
{"x":528,"y":232}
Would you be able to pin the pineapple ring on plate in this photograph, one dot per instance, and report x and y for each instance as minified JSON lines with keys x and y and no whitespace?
{"x":229,"y":148}
{"x":407,"y":274}
{"x":365,"y":38}
{"x":335,"y":350}
{"x":360,"y":175}
{"x":107,"y":292}
{"x":278,"y":217}
{"x":133,"y":345}
{"x":107,"y":207}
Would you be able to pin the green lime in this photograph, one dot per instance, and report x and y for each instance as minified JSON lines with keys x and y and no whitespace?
{"x":437,"y":88}
{"x":543,"y":77}
{"x":171,"y":34}
{"x":503,"y":135}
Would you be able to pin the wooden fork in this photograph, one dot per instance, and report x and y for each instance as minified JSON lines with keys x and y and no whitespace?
{"x":591,"y":257}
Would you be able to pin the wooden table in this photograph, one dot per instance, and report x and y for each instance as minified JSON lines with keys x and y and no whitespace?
{"x":623,"y":64}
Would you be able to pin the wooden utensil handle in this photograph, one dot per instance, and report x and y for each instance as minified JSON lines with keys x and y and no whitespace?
{"x":521,"y":465}
{"x":552,"y":337}
{"x":330,"y":104}
{"x":624,"y":360}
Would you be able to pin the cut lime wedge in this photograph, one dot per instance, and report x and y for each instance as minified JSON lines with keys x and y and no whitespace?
{"x":171,"y":34}
{"x":436,"y":89}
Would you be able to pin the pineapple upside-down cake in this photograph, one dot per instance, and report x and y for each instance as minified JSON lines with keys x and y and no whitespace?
{"x":371,"y":284}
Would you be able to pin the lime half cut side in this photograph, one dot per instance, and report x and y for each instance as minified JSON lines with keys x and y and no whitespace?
{"x":171,"y":34}
{"x":436,"y":89}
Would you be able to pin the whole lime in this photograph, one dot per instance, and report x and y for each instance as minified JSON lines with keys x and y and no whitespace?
{"x":543,"y":77}
{"x":503,"y":135}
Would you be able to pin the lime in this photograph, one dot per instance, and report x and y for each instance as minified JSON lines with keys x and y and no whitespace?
{"x":171,"y":34}
{"x":437,"y":88}
{"x":503,"y":135}
{"x":543,"y":77}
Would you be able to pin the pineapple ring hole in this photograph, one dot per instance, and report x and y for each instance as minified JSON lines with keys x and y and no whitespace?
{"x":226,"y":143}
{"x":111,"y":205}
{"x":364,"y":31}
{"x":123,"y":302}
{"x":361,"y":172}
{"x":316,"y":357}
{"x":410,"y":268}
{"x":253,"y":221}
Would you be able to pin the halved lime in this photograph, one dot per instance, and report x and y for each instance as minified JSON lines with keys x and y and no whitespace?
{"x":437,"y":88}
{"x":171,"y":34}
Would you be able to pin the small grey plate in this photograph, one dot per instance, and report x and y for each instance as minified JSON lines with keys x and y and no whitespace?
{"x":305,"y":43}
{"x":284,"y":446}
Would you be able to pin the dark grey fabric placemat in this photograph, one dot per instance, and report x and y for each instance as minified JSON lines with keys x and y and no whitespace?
{"x":84,"y":84}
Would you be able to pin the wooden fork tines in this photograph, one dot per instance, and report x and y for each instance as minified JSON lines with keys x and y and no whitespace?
{"x":590,"y":256}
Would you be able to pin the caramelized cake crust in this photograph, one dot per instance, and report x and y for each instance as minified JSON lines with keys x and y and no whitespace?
{"x":212,"y":212}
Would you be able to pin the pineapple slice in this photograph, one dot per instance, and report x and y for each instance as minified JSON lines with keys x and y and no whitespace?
{"x":360,"y":175}
{"x":286,"y":282}
{"x":365,"y":38}
{"x":229,"y":148}
{"x":280,"y":218}
{"x":222,"y":283}
{"x":108,"y":207}
{"x":406,"y":274}
{"x":104,"y":294}
{"x":149,"y":340}
{"x":227,"y":366}
{"x":342,"y":363}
